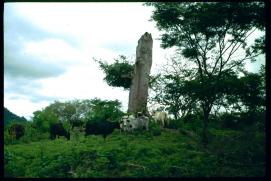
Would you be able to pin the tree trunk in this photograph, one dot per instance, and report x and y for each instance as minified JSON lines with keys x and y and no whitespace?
{"x":206,"y":113}
{"x":175,"y":116}
{"x":140,"y":82}
{"x":205,"y":130}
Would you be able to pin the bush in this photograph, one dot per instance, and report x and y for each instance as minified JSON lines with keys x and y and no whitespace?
{"x":167,"y":150}
{"x":126,"y":155}
{"x":260,"y":122}
{"x":154,"y":129}
{"x":14,"y":165}
{"x":156,"y":132}
{"x":242,"y":120}
{"x":230,"y":121}
{"x":175,"y":124}
{"x":7,"y":138}
{"x":192,"y":123}
{"x":119,"y":73}
{"x":240,"y":149}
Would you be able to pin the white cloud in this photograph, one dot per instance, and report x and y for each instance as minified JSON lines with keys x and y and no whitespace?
{"x":23,"y":106}
{"x":53,"y":51}
{"x":91,"y":23}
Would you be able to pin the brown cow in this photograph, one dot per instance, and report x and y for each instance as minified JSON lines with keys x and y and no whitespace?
{"x":16,"y":131}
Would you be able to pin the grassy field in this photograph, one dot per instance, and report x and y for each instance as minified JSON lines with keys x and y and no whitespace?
{"x":173,"y":153}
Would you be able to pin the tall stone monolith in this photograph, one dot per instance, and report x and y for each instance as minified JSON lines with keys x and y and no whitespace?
{"x":140,"y":80}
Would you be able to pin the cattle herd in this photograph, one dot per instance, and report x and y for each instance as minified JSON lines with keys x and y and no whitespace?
{"x":127,"y":123}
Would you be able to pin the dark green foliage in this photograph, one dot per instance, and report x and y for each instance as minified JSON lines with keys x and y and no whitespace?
{"x":7,"y":137}
{"x":231,"y":121}
{"x":11,"y":117}
{"x":177,"y":19}
{"x":73,"y":113}
{"x":31,"y":134}
{"x":102,"y":110}
{"x":156,"y":132}
{"x":13,"y":165}
{"x":170,"y":90}
{"x":245,"y":94}
{"x":251,"y":93}
{"x":38,"y":129}
{"x":174,"y":124}
{"x":193,"y":122}
{"x":260,"y":120}
{"x":154,"y":129}
{"x":170,"y":154}
{"x":202,"y":33}
{"x":118,"y":74}
{"x":244,"y":150}
{"x":42,"y":119}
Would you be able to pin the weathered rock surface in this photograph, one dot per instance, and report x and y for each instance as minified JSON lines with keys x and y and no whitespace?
{"x":139,"y":89}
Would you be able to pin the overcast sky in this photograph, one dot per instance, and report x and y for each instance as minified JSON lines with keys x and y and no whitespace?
{"x":49,"y":50}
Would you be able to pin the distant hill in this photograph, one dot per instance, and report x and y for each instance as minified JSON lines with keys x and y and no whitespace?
{"x":9,"y":117}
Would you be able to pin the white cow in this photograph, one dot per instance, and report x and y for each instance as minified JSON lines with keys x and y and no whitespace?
{"x":131,"y":123}
{"x":160,"y":117}
{"x":124,"y":123}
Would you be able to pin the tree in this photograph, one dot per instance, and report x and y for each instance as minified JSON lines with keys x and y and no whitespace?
{"x":42,"y":119}
{"x":213,"y":37}
{"x":168,"y":88}
{"x":77,"y":110}
{"x":250,"y":92}
{"x":102,"y":110}
{"x":118,"y":74}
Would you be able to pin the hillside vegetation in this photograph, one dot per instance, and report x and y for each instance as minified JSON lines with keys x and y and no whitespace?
{"x":157,"y":153}
{"x":11,"y":117}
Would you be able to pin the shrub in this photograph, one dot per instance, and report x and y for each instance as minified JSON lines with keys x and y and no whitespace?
{"x":230,"y":121}
{"x":167,"y":150}
{"x":156,"y":132}
{"x":14,"y":165}
{"x":241,"y":120}
{"x":175,"y":124}
{"x":193,"y":123}
{"x":7,"y":138}
{"x":154,"y":129}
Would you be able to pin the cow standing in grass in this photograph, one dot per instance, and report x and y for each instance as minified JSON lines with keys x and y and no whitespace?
{"x":57,"y":129}
{"x":131,"y":123}
{"x":160,"y":117}
{"x":16,"y":131}
{"x":124,"y":122}
{"x":103,"y":128}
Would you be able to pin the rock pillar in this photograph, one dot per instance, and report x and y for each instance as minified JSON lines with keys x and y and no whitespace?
{"x":138,"y":94}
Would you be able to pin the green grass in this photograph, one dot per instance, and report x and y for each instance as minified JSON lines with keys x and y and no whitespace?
{"x":141,"y":154}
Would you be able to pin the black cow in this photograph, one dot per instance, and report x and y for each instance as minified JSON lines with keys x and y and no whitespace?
{"x":16,"y":131}
{"x":57,"y":129}
{"x":103,"y":128}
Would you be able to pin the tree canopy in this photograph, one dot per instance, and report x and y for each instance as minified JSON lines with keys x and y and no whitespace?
{"x":213,"y":38}
{"x":118,"y":74}
{"x":77,"y":110}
